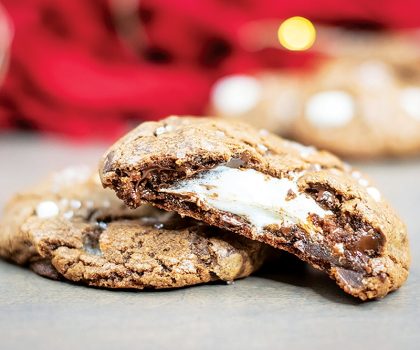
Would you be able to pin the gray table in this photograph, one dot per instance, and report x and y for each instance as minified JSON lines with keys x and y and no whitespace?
{"x":285,"y":306}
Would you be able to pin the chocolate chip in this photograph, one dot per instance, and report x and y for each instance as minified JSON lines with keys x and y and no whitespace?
{"x":235,"y":163}
{"x":45,"y":268}
{"x":108,"y":162}
{"x":351,"y":278}
{"x":368,"y":242}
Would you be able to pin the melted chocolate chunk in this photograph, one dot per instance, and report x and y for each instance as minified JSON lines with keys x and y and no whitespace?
{"x":45,"y":268}
{"x":149,"y":172}
{"x":239,"y":162}
{"x":168,"y":221}
{"x":369,"y":243}
{"x":235,"y":163}
{"x":351,"y":278}
{"x":108,"y":162}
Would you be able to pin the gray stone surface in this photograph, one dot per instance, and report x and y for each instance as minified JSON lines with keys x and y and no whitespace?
{"x":286,"y":305}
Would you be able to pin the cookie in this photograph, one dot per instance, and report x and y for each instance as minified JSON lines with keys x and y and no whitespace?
{"x":362,"y":101}
{"x":268,"y":100}
{"x":69,"y":227}
{"x":268,"y":189}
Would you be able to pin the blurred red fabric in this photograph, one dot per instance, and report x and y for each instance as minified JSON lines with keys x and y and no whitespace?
{"x":94,"y":68}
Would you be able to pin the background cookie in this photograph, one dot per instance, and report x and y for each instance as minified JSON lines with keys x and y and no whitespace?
{"x":361,"y":101}
{"x":70,"y":227}
{"x":272,"y":190}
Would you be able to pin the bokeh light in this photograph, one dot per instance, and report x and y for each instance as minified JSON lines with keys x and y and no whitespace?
{"x":297,"y":33}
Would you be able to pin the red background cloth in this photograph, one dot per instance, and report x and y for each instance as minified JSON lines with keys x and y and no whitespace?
{"x":72,"y":72}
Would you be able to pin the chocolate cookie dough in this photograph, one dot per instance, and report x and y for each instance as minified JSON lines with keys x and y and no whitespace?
{"x":253,"y":183}
{"x":69,"y":227}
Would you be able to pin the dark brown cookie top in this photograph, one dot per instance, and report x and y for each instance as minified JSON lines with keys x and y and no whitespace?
{"x":268,"y":189}
{"x":70,"y":227}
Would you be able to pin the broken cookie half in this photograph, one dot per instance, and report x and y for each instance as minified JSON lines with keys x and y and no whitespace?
{"x":69,"y":227}
{"x":253,"y":183}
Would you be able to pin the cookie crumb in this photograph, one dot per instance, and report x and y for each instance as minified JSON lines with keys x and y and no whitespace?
{"x":290,"y":195}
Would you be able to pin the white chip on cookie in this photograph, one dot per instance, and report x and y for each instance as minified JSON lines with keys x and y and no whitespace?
{"x":236,"y":94}
{"x":330,"y":109}
{"x":47,"y":209}
{"x":410,"y":101}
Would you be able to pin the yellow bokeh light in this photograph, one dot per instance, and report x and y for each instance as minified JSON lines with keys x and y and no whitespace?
{"x":297,"y":33}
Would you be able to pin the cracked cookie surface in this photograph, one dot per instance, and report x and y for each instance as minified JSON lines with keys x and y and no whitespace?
{"x":69,"y":227}
{"x":251,"y":182}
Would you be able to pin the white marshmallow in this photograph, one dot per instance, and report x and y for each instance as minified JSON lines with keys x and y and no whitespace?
{"x":410,"y":101}
{"x":374,"y":74}
{"x":47,"y":209}
{"x":259,"y":198}
{"x":330,"y":109}
{"x":236,"y":94}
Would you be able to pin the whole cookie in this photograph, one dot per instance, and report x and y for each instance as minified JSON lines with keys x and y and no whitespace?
{"x":295,"y":198}
{"x":361,"y":101}
{"x":69,"y":227}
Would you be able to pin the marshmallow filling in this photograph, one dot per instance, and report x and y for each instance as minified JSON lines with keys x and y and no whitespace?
{"x":307,"y":223}
{"x":261,"y":199}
